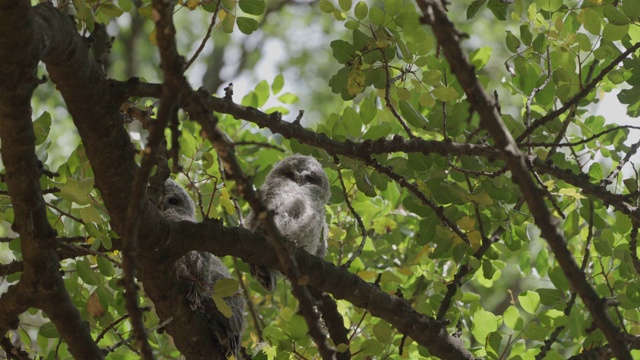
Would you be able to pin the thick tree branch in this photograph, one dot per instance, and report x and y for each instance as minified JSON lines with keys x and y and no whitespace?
{"x":41,"y":284}
{"x":445,"y":32}
{"x":322,"y":275}
{"x":94,"y":104}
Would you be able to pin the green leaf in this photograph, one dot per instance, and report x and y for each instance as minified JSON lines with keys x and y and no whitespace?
{"x":445,"y":93}
{"x":345,"y":5}
{"x":226,"y":287}
{"x":553,"y":318}
{"x":596,"y":172}
{"x":512,"y":318}
{"x":392,"y":7}
{"x":540,"y":43}
{"x":342,"y":51}
{"x":473,"y":9}
{"x":484,"y":323}
{"x":111,"y":10}
{"x":222,"y":306}
{"x":86,"y":273}
{"x":498,"y":8}
{"x":535,"y":332}
{"x":327,"y":6}
{"x":591,"y":22}
{"x":144,"y":10}
{"x":513,"y":43}
{"x":377,"y":16}
{"x":77,"y":191}
{"x":246,"y":25}
{"x":614,"y":32}
{"x":549,"y":297}
{"x":41,"y":127}
{"x":351,"y":121}
{"x":297,"y":327}
{"x":614,"y":16}
{"x":480,"y":57}
{"x":278,"y":84}
{"x":558,"y":279}
{"x":105,"y":266}
{"x":288,"y":98}
{"x":631,"y":185}
{"x":631,"y":9}
{"x":48,"y":330}
{"x":228,"y":22}
{"x":361,"y":10}
{"x":368,"y":111}
{"x":549,"y":5}
{"x":229,"y":5}
{"x":371,"y":347}
{"x":377,"y":132}
{"x":90,"y":214}
{"x":529,"y":301}
{"x":525,"y":35}
{"x":252,"y":7}
{"x":412,"y":116}
{"x":383,"y":332}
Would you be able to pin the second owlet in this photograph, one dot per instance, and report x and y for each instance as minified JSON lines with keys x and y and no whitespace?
{"x":296,"y":190}
{"x":200,"y":270}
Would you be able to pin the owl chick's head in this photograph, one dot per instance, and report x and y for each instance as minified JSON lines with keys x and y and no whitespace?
{"x":306,"y":172}
{"x":175,"y":202}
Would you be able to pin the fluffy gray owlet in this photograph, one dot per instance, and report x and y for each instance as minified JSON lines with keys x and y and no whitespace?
{"x":200,"y":270}
{"x":296,"y":189}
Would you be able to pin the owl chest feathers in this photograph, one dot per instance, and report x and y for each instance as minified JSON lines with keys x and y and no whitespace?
{"x":298,"y":217}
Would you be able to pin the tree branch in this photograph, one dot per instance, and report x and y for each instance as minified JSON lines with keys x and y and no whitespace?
{"x":41,"y":284}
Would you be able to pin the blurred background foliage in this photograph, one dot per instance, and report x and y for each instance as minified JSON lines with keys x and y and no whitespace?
{"x":355,"y":67}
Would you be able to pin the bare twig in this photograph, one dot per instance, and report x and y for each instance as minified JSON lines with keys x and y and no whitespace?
{"x":355,"y":214}
{"x":116,"y":322}
{"x":609,"y":179}
{"x":205,"y":39}
{"x":387,"y":96}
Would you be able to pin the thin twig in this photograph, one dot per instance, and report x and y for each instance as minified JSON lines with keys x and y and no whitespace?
{"x":534,"y":92}
{"x":570,"y":117}
{"x":423,"y":198}
{"x":204,"y":41}
{"x":116,"y":322}
{"x":580,"y":142}
{"x":609,"y":179}
{"x":546,"y":191}
{"x":387,"y":96}
{"x":254,"y":314}
{"x":355,"y":214}
{"x":579,"y":96}
{"x":258,"y":143}
{"x":65,"y":213}
{"x":131,"y":338}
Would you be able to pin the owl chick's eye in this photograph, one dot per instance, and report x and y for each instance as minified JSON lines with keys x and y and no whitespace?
{"x":312,"y":179}
{"x":174,"y":201}
{"x":289,"y":174}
